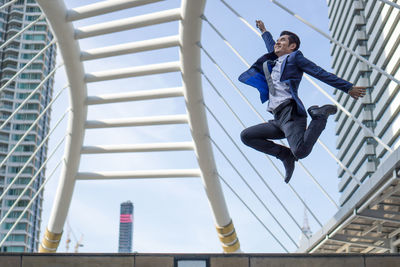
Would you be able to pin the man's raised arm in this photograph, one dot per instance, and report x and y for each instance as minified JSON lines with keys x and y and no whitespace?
{"x":266,"y":35}
{"x":329,"y":78}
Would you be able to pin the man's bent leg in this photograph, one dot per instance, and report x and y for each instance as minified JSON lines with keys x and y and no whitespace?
{"x":257,"y":137}
{"x":312,"y":134}
{"x":302,"y":140}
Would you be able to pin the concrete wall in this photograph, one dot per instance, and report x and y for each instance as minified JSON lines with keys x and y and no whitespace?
{"x":210,"y":260}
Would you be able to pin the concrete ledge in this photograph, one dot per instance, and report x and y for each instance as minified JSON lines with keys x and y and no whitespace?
{"x":315,"y":261}
{"x":375,"y":260}
{"x":210,"y":260}
{"x":229,"y":261}
{"x":154,"y":261}
{"x":76,"y":261}
{"x":10,"y":261}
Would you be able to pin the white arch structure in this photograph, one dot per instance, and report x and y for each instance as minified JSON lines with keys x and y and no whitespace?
{"x":60,"y":19}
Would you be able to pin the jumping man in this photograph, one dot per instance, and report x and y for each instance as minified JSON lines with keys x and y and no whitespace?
{"x":277,"y":76}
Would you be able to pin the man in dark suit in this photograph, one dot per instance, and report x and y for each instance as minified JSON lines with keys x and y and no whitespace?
{"x":277,"y":76}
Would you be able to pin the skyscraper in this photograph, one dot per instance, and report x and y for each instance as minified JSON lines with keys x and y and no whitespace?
{"x":14,"y":56}
{"x":125,"y":227}
{"x":371,"y":29}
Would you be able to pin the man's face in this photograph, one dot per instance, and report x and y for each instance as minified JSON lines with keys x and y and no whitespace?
{"x":282,"y":46}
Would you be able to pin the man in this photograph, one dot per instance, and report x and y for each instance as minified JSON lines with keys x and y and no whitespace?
{"x":277,"y":76}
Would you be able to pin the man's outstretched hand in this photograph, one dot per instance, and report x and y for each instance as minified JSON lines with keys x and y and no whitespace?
{"x":357,"y":91}
{"x":260,"y":25}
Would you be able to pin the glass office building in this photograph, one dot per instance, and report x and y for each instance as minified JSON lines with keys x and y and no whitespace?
{"x":371,"y":29}
{"x":14,"y":56}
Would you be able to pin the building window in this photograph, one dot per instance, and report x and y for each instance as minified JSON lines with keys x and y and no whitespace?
{"x":25,"y":117}
{"x":15,"y":249}
{"x":33,"y":9}
{"x":20,"y":226}
{"x":20,"y":238}
{"x":31,"y":18}
{"x":35,"y":37}
{"x":27,"y":85}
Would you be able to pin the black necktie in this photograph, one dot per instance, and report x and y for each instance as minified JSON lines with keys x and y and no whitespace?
{"x":272,"y":62}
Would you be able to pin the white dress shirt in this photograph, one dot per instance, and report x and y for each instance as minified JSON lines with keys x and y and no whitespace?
{"x":282,"y":90}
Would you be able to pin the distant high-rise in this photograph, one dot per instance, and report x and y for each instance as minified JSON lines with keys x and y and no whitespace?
{"x":125,"y":227}
{"x":15,"y":55}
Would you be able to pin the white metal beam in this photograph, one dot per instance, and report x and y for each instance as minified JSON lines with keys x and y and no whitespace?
{"x":139,"y":174}
{"x":133,"y":72}
{"x":137,"y":121}
{"x":104,"y":7}
{"x":190,"y":33}
{"x":128,"y":23}
{"x":385,"y":195}
{"x":152,"y":147}
{"x":135,"y":96}
{"x":377,"y":215}
{"x":129,"y":48}
{"x":55,"y":11}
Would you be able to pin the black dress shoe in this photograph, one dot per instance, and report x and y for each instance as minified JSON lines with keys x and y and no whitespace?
{"x":288,"y":163}
{"x":322,"y":112}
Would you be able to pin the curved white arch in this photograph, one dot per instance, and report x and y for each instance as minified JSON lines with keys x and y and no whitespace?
{"x":189,"y":65}
{"x":56,"y":13}
{"x":190,"y":33}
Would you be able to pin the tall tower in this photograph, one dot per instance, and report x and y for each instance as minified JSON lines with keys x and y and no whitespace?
{"x":125,"y":227}
{"x":18,"y":53}
{"x":305,"y":229}
{"x":370,"y":28}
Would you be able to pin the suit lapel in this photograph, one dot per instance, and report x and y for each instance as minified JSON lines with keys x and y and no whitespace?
{"x":284,"y":64}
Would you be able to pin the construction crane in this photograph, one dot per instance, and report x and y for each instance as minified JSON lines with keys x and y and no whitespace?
{"x":68,"y":240}
{"x":79,"y":244}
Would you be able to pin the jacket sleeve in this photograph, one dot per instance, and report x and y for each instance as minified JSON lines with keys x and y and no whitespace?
{"x":316,"y":71}
{"x":269,"y":41}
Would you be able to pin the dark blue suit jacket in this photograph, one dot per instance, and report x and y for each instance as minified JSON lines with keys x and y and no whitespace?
{"x":291,"y":73}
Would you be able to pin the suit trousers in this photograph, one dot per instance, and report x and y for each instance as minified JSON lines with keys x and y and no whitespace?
{"x":287,"y":123}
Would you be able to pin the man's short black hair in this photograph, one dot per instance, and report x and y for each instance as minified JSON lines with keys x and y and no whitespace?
{"x":293,"y":38}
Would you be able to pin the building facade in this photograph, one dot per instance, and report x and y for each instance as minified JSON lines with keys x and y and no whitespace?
{"x":371,"y":29}
{"x":126,"y":228}
{"x":25,"y":237}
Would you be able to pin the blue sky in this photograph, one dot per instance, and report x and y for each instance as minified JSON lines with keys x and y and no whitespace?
{"x":173,"y":215}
